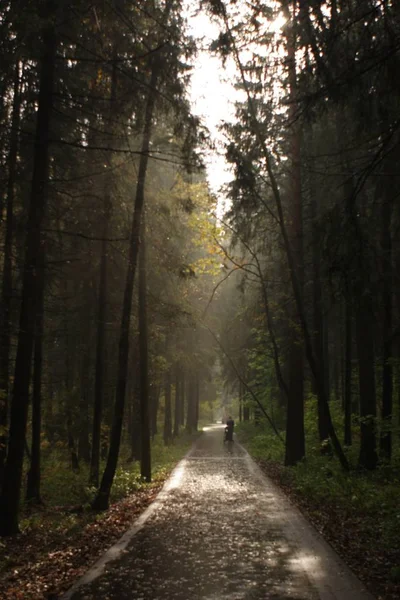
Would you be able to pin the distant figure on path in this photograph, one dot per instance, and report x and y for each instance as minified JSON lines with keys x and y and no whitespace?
{"x":229,"y":429}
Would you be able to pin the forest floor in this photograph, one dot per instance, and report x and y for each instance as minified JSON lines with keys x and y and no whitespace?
{"x":46,"y":558}
{"x":58,"y":543}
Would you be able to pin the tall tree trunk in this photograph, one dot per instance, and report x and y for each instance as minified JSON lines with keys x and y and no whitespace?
{"x":295,"y":441}
{"x":366,"y":362}
{"x":182,"y":399}
{"x":101,"y":307}
{"x":101,"y":501}
{"x":154,"y":403}
{"x":167,"y":413}
{"x":240,"y":402}
{"x":6,"y":290}
{"x":135,"y":418}
{"x":296,"y":283}
{"x":190,"y":399}
{"x":177,"y":410}
{"x":33,"y":482}
{"x":145,"y":462}
{"x":100,"y":364}
{"x":9,"y":500}
{"x":196,"y":404}
{"x":84,"y":404}
{"x":387,"y":368}
{"x":319,"y":328}
{"x":348,"y":371}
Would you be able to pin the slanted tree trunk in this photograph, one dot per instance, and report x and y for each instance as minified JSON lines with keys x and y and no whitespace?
{"x":101,"y":309}
{"x":167,"y":412}
{"x":101,"y":501}
{"x":6,"y":290}
{"x":145,"y":461}
{"x":9,"y":500}
{"x":296,"y":283}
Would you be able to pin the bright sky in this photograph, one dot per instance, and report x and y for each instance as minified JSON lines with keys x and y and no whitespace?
{"x":212,"y":91}
{"x":212,"y":94}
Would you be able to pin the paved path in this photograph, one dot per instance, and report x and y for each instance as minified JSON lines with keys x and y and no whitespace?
{"x":220,"y":530}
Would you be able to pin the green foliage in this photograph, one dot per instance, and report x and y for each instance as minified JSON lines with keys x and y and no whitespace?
{"x":63,"y":487}
{"x":261,"y":442}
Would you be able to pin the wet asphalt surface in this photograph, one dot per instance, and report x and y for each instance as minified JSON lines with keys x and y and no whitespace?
{"x":221,"y":531}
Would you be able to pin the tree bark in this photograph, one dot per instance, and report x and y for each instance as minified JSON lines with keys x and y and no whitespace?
{"x":145,"y":462}
{"x":387,"y":368}
{"x":101,"y":501}
{"x":296,"y":284}
{"x":295,"y":440}
{"x":167,"y":413}
{"x":348,"y":371}
{"x":9,"y":500}
{"x":154,"y":402}
{"x":177,"y":410}
{"x":6,"y":290}
{"x":33,"y":482}
{"x":366,"y":365}
{"x":101,"y":308}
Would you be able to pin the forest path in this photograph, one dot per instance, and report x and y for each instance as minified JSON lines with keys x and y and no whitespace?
{"x":219,"y":530}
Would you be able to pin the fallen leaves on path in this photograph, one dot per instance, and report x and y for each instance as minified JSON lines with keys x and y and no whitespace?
{"x":43,"y":561}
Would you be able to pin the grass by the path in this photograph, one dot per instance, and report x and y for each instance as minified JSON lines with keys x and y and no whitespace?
{"x":357,"y":512}
{"x":60,"y":540}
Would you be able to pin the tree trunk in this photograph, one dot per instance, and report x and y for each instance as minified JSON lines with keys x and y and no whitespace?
{"x":296,"y":283}
{"x":101,"y":307}
{"x":196,"y":404}
{"x":295,"y":441}
{"x":167,"y":413}
{"x":190,"y":408}
{"x":177,"y":410}
{"x":145,"y":462}
{"x":154,"y":402}
{"x":348,"y":372}
{"x":135,"y":421}
{"x":33,"y":482}
{"x":387,"y":368}
{"x":366,"y":366}
{"x":9,"y":501}
{"x":101,"y":501}
{"x":182,"y":399}
{"x":6,"y":290}
{"x":84,"y":403}
{"x":319,"y":329}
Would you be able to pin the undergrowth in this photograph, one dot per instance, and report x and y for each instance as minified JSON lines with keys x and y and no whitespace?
{"x":367,"y":497}
{"x":63,"y":489}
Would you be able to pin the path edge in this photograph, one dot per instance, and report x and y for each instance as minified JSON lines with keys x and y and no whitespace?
{"x":115,"y":551}
{"x":342,"y":579}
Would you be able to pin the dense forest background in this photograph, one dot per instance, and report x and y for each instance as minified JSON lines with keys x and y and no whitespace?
{"x":132,"y":306}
